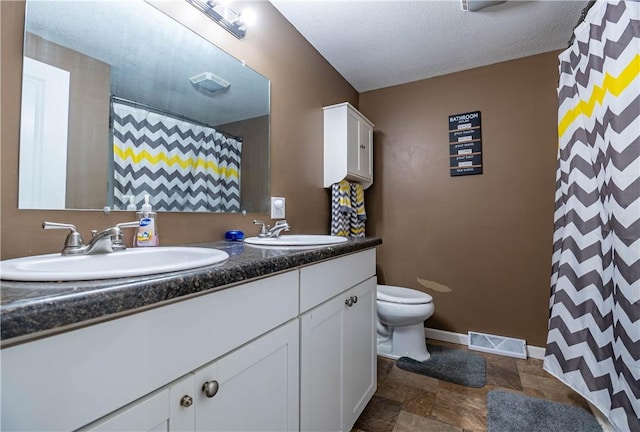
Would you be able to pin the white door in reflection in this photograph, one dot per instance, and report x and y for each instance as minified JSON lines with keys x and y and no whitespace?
{"x":43,"y":136}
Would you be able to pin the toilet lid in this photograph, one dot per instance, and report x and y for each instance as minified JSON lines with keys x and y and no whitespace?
{"x":394,"y":294}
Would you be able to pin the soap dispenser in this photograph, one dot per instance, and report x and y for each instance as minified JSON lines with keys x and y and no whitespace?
{"x":147,"y":232}
{"x":132,"y":204}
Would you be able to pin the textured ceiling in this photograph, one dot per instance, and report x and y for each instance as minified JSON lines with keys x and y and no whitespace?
{"x":376,"y":44}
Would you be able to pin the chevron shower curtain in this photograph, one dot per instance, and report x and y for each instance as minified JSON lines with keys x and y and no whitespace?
{"x":181,"y":165}
{"x":593,"y":344}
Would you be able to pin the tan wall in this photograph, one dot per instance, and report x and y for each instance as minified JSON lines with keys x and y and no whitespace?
{"x":88,"y":120}
{"x":254,"y":192}
{"x":487,"y":237}
{"x":302,"y":82}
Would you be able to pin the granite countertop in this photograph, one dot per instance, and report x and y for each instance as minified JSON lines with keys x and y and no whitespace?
{"x":32,"y":309}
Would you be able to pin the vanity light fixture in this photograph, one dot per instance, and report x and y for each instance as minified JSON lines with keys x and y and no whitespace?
{"x":229,"y":19}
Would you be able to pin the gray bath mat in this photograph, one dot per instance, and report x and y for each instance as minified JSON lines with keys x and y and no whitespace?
{"x":510,"y":412}
{"x":449,"y":364}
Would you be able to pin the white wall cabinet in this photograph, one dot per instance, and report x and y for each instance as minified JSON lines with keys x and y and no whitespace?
{"x":338,"y":352}
{"x":348,"y":145}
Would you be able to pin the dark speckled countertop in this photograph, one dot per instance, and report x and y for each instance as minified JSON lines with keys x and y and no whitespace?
{"x":32,"y":309}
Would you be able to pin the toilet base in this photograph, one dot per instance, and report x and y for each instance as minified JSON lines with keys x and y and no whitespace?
{"x":404,"y":341}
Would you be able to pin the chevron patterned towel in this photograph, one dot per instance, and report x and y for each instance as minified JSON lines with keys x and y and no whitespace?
{"x":347,"y":209}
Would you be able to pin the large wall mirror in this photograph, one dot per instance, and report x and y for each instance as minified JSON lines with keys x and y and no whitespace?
{"x":120,"y":101}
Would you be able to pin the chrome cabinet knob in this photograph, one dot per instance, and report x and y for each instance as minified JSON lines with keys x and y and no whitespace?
{"x":349,"y":301}
{"x":355,"y":299}
{"x":186,"y":401}
{"x":210,"y":388}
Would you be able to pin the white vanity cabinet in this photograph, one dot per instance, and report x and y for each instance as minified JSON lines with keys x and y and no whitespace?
{"x":252,"y":389}
{"x":289,"y":352}
{"x":338,"y":351}
{"x":168,"y":409}
{"x":348,"y":145}
{"x":69,"y":380}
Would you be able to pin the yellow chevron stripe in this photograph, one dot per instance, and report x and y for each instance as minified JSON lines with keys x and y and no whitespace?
{"x":136,"y":158}
{"x":612,"y":85}
{"x":360,"y":200}
{"x":345,"y":194}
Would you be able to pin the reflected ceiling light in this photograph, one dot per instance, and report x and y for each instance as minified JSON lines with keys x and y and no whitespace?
{"x":227,"y":18}
{"x":209,"y":82}
{"x":476,"y":5}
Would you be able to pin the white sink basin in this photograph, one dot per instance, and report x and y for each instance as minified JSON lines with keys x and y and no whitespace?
{"x":296,"y":240}
{"x":131,"y":262}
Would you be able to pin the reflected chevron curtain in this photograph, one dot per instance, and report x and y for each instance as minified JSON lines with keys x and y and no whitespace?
{"x":593,"y":344}
{"x":181,"y":165}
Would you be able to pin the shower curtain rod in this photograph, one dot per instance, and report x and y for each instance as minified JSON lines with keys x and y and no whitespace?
{"x":583,"y":15}
{"x":169,"y":113}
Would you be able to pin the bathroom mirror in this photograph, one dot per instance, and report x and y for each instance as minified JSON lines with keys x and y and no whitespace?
{"x":120,"y":100}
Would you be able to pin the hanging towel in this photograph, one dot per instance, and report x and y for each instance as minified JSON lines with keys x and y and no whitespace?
{"x":358,"y":214}
{"x":347,"y":209}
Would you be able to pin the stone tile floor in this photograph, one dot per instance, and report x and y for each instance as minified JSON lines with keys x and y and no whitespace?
{"x":408,"y":402}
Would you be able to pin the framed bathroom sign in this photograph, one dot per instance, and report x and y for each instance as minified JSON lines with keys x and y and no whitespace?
{"x":465,"y":144}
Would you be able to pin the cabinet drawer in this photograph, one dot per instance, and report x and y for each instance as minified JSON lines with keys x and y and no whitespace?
{"x":320,"y":282}
{"x":103,"y":367}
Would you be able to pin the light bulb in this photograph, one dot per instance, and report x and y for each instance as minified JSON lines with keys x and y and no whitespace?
{"x":247,"y":17}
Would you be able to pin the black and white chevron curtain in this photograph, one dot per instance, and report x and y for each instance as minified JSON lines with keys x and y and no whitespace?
{"x":182,"y":166}
{"x":593,"y":344}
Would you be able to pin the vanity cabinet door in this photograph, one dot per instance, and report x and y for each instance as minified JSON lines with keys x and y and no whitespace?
{"x":254,"y":388}
{"x":321,"y":354}
{"x":168,"y":409}
{"x":338,"y":359}
{"x":360,"y":361}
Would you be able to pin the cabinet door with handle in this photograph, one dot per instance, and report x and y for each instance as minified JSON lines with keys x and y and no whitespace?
{"x":168,"y":409}
{"x":321,"y":357}
{"x":253,"y":388}
{"x":359,"y":146}
{"x":360,"y":362}
{"x":338,"y":359}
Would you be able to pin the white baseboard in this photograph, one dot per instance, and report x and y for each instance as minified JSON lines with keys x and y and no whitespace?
{"x":462,"y":339}
{"x":446,"y":336}
{"x":535,"y":352}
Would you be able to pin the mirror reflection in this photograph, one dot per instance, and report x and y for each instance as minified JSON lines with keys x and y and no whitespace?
{"x":119,"y":101}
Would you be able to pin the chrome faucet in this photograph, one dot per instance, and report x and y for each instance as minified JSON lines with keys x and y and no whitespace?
{"x":280,"y":226}
{"x":267,"y":232}
{"x":106,"y":241}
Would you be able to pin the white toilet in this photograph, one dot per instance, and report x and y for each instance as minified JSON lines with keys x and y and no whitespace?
{"x":401,"y":316}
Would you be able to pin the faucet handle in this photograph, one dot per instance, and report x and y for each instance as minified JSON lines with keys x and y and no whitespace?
{"x":58,"y":225}
{"x":281,"y":223}
{"x":74,"y":239}
{"x":134,"y":224}
{"x":117,"y":243}
{"x":263,"y":228}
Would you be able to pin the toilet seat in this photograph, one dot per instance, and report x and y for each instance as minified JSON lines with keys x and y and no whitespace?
{"x":394,"y":294}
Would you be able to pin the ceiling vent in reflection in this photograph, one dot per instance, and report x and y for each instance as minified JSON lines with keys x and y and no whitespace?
{"x":476,"y":5}
{"x":209,"y":83}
